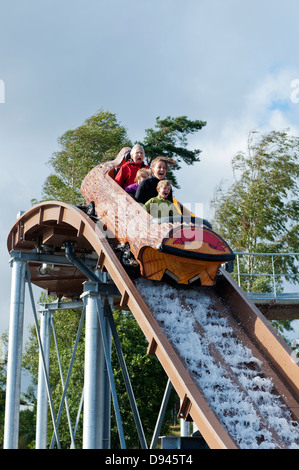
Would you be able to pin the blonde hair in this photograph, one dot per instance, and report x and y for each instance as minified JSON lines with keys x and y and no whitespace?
{"x":168,"y":161}
{"x":143,"y":172}
{"x":163,"y":183}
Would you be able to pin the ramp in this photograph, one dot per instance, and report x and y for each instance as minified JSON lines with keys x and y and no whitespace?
{"x":235,"y":376}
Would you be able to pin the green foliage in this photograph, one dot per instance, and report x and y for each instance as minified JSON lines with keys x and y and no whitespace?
{"x":259,"y":212}
{"x":26,"y":429}
{"x":169,"y":139}
{"x":100,"y":138}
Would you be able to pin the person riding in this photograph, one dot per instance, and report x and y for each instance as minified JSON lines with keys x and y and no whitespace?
{"x":148,"y":188}
{"x":141,"y":175}
{"x":160,"y":206}
{"x":128,"y":171}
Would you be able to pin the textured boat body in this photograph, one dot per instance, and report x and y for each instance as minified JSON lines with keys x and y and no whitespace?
{"x":180,"y":246}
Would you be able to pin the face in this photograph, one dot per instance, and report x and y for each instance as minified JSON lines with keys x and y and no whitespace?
{"x":137,"y":156}
{"x":164,"y":191}
{"x":160,"y":170}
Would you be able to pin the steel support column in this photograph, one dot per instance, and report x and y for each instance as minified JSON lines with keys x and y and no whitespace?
{"x":161,"y":414}
{"x":42,"y":395}
{"x":106,"y":394}
{"x":13,"y":382}
{"x":94,"y":412}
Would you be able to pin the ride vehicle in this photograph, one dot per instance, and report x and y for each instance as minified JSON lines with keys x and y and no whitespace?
{"x":181,"y":247}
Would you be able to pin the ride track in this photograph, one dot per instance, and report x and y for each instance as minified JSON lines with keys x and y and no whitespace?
{"x":50,"y":225}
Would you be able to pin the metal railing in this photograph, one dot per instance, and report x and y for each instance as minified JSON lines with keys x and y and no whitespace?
{"x":274,"y":275}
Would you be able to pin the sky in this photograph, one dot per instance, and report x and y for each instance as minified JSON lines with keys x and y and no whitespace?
{"x":231,"y":63}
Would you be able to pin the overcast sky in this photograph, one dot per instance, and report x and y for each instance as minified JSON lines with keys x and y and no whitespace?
{"x":232,"y":63}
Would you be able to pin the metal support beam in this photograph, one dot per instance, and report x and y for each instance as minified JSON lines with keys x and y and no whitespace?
{"x":37,"y":257}
{"x":141,"y":435}
{"x":106,"y":394}
{"x":13,"y":382}
{"x":42,"y":395}
{"x":110,"y":372}
{"x":94,"y":376}
{"x":65,"y":384}
{"x":103,"y":287}
{"x":161,"y":414}
{"x":43,"y":361}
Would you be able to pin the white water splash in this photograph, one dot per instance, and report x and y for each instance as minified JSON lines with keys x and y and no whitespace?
{"x":247,"y":410}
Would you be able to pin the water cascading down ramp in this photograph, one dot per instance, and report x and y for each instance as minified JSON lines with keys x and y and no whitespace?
{"x":235,"y":376}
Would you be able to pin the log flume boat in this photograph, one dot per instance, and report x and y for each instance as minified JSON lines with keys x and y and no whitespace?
{"x":181,"y":247}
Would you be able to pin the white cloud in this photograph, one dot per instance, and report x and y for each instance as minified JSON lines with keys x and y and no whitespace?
{"x":272,"y":97}
{"x":266,"y":106}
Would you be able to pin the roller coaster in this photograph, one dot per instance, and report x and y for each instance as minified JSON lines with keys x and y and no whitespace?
{"x":236,"y":377}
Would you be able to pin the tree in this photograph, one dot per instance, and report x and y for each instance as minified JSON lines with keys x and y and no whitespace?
{"x":259,"y":212}
{"x":100,"y":138}
{"x":169,"y":139}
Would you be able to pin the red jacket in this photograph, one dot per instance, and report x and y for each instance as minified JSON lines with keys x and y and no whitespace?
{"x":127,"y":173}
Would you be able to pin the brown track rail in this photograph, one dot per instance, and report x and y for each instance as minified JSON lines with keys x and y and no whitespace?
{"x":51,"y":224}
